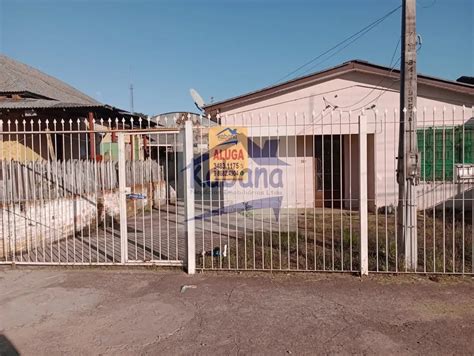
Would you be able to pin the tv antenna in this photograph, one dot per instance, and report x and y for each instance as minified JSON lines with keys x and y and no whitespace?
{"x":131,"y":98}
{"x":198,"y":100}
{"x":132,"y":110}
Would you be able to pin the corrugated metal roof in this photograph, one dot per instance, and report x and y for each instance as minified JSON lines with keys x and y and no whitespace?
{"x":16,"y":77}
{"x":41,"y":104}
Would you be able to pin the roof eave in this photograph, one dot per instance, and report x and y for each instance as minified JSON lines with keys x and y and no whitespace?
{"x":308,"y":80}
{"x":287,"y":84}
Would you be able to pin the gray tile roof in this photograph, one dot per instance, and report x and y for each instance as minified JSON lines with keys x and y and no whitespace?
{"x":16,"y":77}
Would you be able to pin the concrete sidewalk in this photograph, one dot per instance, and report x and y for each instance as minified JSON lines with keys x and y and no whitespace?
{"x":123,"y":311}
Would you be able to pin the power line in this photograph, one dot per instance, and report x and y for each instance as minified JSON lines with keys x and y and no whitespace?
{"x":356,"y":35}
{"x":341,"y":49}
{"x":383,"y":79}
{"x":333,"y":107}
{"x":392,"y":67}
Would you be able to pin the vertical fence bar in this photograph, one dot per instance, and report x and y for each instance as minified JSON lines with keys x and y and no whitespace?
{"x":3,"y":190}
{"x":189,"y":197}
{"x":122,"y":198}
{"x":341,"y":196}
{"x":176,"y":186}
{"x":350,"y":190}
{"x":162,"y":197}
{"x":454,"y":181}
{"x":363,"y":213}
{"x":202,"y":188}
{"x":331,"y":140}
{"x":463,"y":188}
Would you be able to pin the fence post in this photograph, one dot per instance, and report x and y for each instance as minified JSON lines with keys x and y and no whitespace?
{"x":122,"y":198}
{"x":189,"y":196}
{"x":363,"y":212}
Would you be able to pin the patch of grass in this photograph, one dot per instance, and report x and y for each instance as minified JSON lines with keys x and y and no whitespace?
{"x":332,"y":242}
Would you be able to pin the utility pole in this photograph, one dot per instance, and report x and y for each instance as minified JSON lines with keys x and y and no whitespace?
{"x":408,"y":157}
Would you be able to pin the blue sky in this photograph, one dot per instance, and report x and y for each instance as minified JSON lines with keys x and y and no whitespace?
{"x":222,"y":48}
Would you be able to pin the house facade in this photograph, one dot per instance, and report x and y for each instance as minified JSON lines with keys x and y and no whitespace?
{"x":312,"y":124}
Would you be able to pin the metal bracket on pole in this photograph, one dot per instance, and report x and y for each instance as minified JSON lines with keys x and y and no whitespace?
{"x":189,"y":197}
{"x":122,"y":198}
{"x":413,"y":166}
{"x":363,"y":210}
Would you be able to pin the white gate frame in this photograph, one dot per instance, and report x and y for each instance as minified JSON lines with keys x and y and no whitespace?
{"x":363,"y":210}
{"x":188,"y":150}
{"x":122,"y":198}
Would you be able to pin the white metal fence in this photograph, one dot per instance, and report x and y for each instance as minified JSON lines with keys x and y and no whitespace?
{"x":334,"y":178}
{"x":321,"y":194}
{"x":75,"y":194}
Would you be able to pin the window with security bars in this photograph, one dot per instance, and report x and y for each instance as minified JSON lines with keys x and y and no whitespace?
{"x":442,"y":148}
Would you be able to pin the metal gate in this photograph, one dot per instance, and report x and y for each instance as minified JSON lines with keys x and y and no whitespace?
{"x":98,"y":193}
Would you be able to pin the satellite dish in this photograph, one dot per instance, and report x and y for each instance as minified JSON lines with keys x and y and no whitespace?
{"x":198,"y":100}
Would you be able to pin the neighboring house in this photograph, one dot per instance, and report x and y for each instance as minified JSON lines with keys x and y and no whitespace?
{"x":168,"y":148}
{"x":31,"y":100}
{"x":176,"y":120}
{"x":321,"y":111}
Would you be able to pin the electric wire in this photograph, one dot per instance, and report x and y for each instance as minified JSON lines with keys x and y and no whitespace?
{"x":356,"y":35}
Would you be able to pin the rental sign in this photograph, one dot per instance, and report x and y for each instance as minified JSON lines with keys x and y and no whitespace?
{"x":228,"y":153}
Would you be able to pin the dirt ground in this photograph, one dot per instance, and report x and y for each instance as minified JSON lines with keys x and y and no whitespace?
{"x":54,"y":311}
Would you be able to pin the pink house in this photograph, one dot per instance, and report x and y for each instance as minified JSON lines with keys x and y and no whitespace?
{"x":312,"y":123}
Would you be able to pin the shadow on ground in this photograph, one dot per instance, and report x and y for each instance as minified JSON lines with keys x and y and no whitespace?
{"x":6,"y":347}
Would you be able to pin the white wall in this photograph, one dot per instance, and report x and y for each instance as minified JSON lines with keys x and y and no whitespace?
{"x":293,"y":182}
{"x":31,"y":224}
